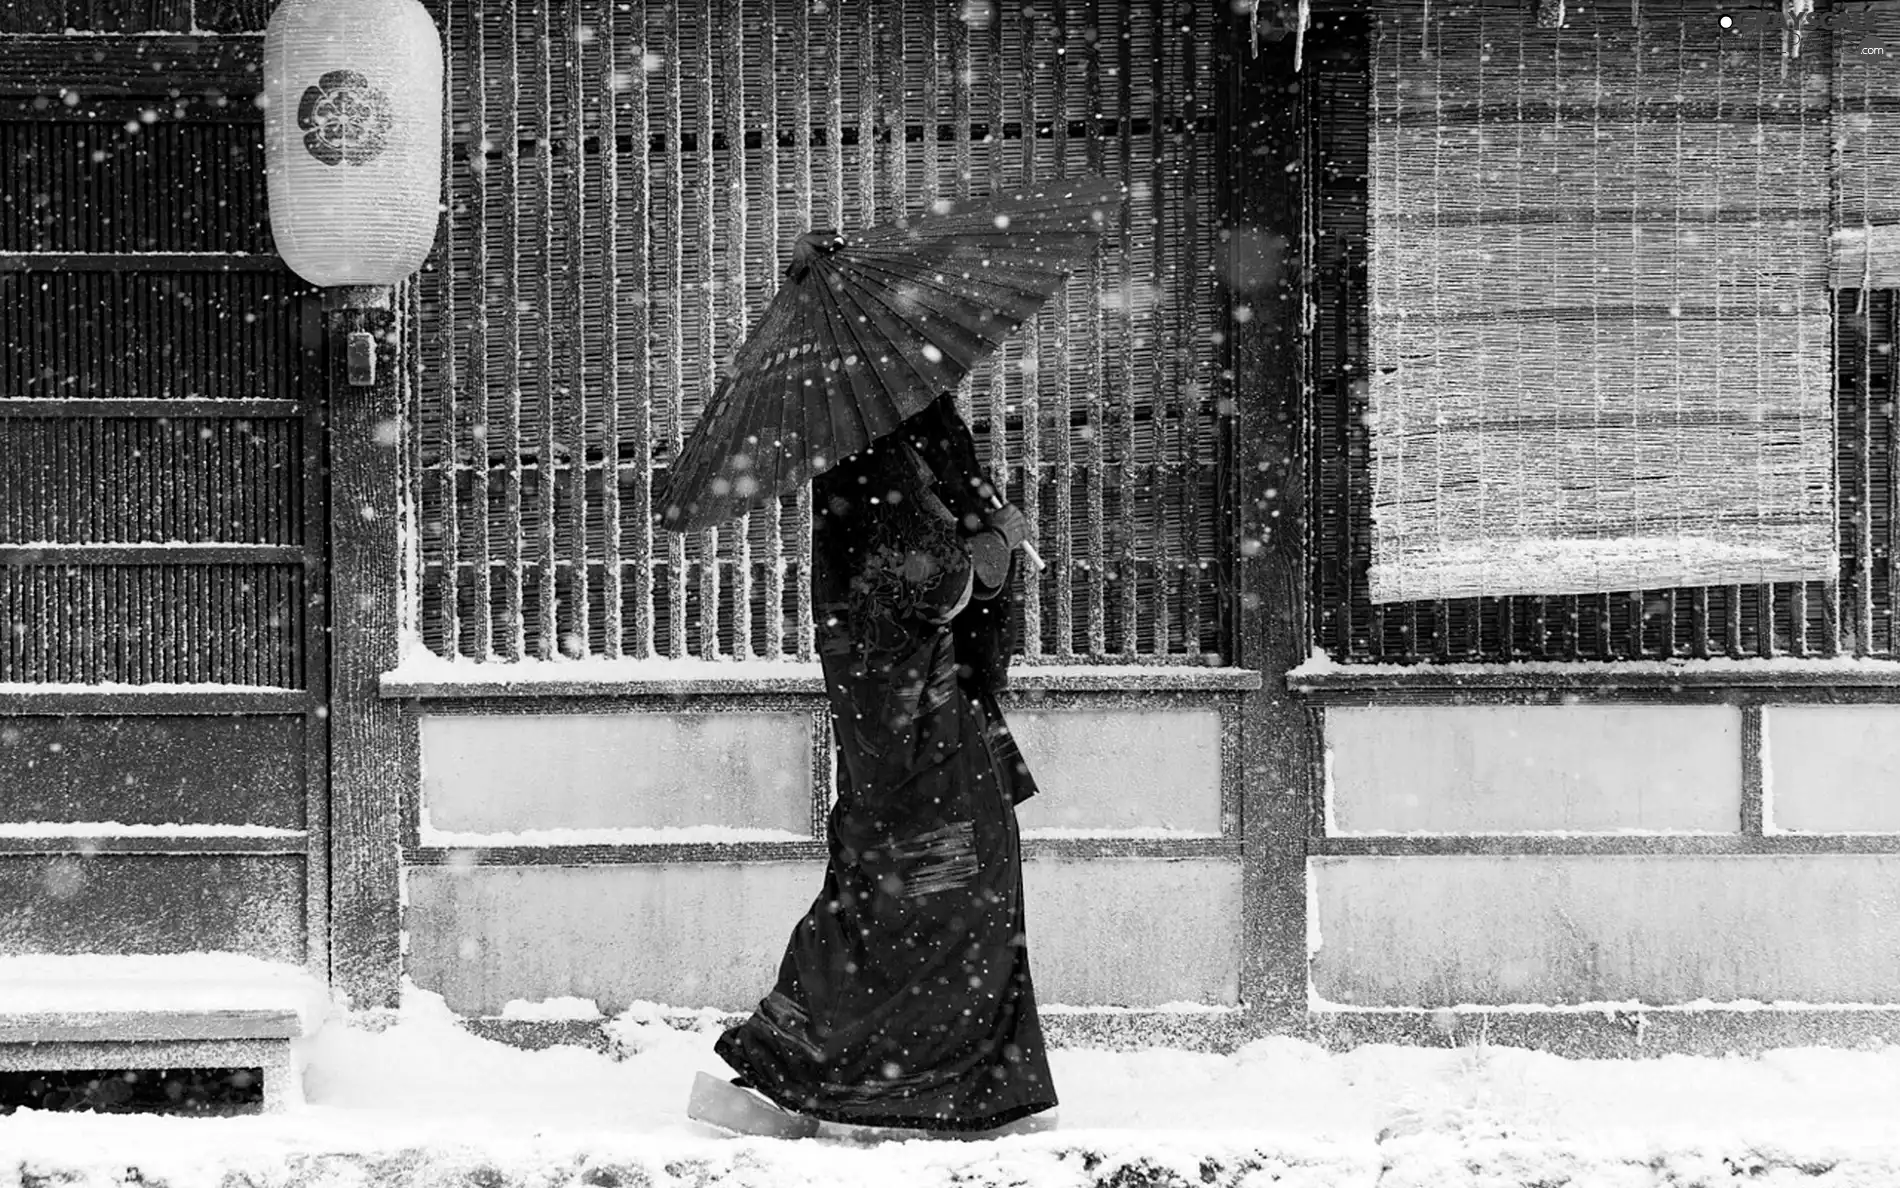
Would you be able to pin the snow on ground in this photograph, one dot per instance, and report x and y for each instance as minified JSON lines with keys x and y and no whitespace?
{"x":413,"y":1099}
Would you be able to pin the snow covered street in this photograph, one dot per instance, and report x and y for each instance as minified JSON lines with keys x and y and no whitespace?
{"x":417,"y":1100}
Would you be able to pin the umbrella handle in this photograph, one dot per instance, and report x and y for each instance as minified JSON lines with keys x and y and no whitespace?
{"x":1028,"y":547}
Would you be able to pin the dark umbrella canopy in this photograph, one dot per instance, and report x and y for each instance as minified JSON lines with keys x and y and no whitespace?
{"x":868,"y":331}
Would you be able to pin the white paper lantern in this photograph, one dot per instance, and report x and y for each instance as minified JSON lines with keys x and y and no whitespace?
{"x":353,"y":137}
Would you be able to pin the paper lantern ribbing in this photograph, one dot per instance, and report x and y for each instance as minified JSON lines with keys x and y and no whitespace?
{"x":353,"y":138}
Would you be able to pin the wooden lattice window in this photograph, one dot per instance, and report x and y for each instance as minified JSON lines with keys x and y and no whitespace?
{"x":1846,"y":105}
{"x":600,"y":268}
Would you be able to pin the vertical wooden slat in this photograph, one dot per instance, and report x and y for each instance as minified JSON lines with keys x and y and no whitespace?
{"x":1863,"y":479}
{"x":1769,"y":645}
{"x":514,"y":642}
{"x":962,"y":76}
{"x":480,"y":138}
{"x":1030,"y":497}
{"x":834,"y":200}
{"x":891,"y":110}
{"x":835,"y":215}
{"x":1352,"y":483}
{"x":675,"y":289}
{"x":575,"y":320}
{"x":1188,"y":292}
{"x":704,"y":351}
{"x":930,"y":113}
{"x":1127,"y":565}
{"x":546,"y":643}
{"x":1159,"y":347}
{"x":612,"y":563}
{"x":1001,"y":363}
{"x":737,"y":270}
{"x":639,"y":320}
{"x":446,"y":284}
{"x":1892,"y":543}
{"x":1095,"y":339}
{"x":769,"y":182}
{"x":868,"y":79}
{"x":1062,"y":415}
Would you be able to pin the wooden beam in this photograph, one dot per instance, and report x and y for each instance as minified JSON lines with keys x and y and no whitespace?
{"x":208,"y":408}
{"x":1068,"y":849}
{"x":1656,"y":845}
{"x":1661,"y":682}
{"x":374,"y":769}
{"x":133,"y":699}
{"x":1268,"y":162}
{"x":151,"y":554}
{"x":110,"y":66}
{"x":141,"y":262}
{"x":148,"y":1026}
{"x":695,"y":679}
{"x":77,"y":842}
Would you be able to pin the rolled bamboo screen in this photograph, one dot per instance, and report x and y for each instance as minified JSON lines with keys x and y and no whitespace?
{"x":1600,"y":324}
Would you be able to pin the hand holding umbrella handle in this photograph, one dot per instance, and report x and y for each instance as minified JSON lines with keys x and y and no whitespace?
{"x":1027,"y":546}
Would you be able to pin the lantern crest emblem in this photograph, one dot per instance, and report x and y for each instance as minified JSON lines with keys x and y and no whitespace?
{"x":344,"y":119}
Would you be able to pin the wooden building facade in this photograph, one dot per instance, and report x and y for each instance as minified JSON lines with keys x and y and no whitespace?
{"x":402,"y":682}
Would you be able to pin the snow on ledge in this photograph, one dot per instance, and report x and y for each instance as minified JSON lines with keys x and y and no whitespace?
{"x":567,"y":1009}
{"x":104,"y":829}
{"x":426,"y":675}
{"x":1133,"y":833}
{"x":1318,"y":1003}
{"x":674,"y":835}
{"x":28,"y":688}
{"x":1166,"y":1008}
{"x":171,"y":983}
{"x":1319,"y":667}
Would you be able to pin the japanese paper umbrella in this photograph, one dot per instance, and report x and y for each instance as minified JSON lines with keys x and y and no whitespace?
{"x":868,"y":331}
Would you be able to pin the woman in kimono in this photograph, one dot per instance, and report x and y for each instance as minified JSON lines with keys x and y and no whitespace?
{"x":904,"y":997}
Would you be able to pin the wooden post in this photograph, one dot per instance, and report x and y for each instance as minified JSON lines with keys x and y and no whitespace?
{"x":373,"y":764}
{"x":1267,"y":250}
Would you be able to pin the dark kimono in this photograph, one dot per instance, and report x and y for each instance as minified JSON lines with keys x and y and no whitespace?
{"x":904,"y":997}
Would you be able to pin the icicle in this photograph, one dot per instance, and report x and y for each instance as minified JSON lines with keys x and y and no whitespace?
{"x":1253,"y":25}
{"x":1304,"y":14}
{"x":1636,"y":13}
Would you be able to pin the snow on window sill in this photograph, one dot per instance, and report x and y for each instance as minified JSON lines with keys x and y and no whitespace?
{"x":679,"y":835}
{"x":1321,"y":674}
{"x":423,"y":675}
{"x":117,"y":829}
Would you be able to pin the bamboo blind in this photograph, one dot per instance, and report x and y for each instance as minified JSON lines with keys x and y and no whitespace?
{"x":1600,"y":317}
{"x":1848,"y":612}
{"x":623,"y":195}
